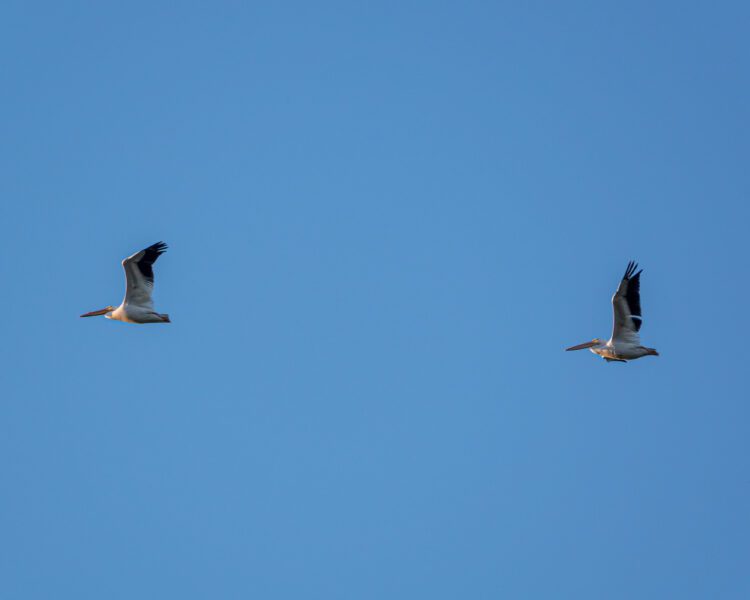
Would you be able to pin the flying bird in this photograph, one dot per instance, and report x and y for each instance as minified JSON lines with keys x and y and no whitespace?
{"x":137,"y":307}
{"x":625,"y":343}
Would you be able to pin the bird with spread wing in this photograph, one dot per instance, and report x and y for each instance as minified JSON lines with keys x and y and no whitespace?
{"x":137,"y":307}
{"x":625,"y":343}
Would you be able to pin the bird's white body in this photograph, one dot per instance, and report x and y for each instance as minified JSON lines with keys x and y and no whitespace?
{"x":625,"y":343}
{"x":613,"y":350}
{"x":137,"y":306}
{"x":133,"y":313}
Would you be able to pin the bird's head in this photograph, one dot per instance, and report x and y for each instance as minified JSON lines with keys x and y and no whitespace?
{"x":98,"y":313}
{"x":591,"y":344}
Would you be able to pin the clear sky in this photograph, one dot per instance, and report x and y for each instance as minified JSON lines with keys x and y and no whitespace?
{"x":386,"y":221}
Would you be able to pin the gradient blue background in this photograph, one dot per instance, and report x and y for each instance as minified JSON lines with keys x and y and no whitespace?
{"x":386,"y":221}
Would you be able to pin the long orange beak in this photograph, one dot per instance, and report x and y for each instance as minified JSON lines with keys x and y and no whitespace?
{"x":582,"y":346}
{"x":97,"y":313}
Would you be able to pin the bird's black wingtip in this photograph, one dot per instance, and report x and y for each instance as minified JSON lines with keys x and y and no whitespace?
{"x":158,"y":247}
{"x":632,"y":266}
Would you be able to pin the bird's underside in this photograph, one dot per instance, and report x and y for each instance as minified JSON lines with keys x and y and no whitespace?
{"x":612,"y":353}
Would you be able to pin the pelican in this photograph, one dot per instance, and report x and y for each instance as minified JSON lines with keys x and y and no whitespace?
{"x":137,"y":307}
{"x":625,"y":343}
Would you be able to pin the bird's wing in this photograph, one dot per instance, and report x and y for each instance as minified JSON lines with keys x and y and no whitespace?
{"x":626,"y":304}
{"x":139,"y":275}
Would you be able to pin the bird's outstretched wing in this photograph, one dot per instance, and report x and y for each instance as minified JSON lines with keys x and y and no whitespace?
{"x":139,"y":275}
{"x":626,"y":304}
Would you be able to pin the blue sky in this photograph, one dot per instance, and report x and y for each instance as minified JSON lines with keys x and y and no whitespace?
{"x":386,"y":221}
